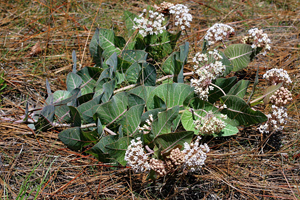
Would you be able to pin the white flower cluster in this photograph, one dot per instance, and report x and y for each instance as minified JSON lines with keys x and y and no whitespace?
{"x":281,"y":97}
{"x":208,"y":68}
{"x":181,"y":15}
{"x":210,"y":124}
{"x":257,"y":38}
{"x":275,"y":76}
{"x":136,"y":157}
{"x":276,"y":120}
{"x":278,"y":116}
{"x":195,"y":155}
{"x":191,"y":158}
{"x":146,"y":128}
{"x":151,"y":25}
{"x":218,"y":32}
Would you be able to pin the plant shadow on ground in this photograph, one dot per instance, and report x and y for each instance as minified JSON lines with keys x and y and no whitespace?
{"x":237,"y":167}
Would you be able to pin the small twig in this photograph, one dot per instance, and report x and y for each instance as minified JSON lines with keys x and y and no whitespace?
{"x":149,"y":150}
{"x":288,"y":183}
{"x":218,"y":88}
{"x":194,"y":113}
{"x":84,"y":126}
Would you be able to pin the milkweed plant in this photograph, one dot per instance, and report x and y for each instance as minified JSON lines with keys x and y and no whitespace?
{"x":136,"y":107}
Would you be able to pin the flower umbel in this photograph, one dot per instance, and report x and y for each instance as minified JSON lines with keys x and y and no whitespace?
{"x":218,"y":32}
{"x":195,"y":155}
{"x":281,"y":97}
{"x":257,"y":38}
{"x":276,"y":76}
{"x":276,"y":120}
{"x":182,"y":18}
{"x":150,"y":25}
{"x":210,"y":124}
{"x":208,"y":67}
{"x":136,"y":157}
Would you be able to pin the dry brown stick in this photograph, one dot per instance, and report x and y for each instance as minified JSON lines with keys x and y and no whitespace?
{"x":288,"y":183}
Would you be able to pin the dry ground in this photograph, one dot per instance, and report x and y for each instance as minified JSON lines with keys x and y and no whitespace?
{"x":40,"y":166}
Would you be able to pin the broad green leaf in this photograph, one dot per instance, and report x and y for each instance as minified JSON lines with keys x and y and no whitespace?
{"x":161,"y":45}
{"x":229,"y":130}
{"x":225,"y":84}
{"x":112,"y":62}
{"x":170,"y":140}
{"x":86,"y":110}
{"x":96,"y":50}
{"x":45,"y":119}
{"x":65,"y":97}
{"x":184,"y":52}
{"x":72,"y":138}
{"x":147,"y":75}
{"x":85,"y":98}
{"x":108,"y":89}
{"x":172,"y":94}
{"x":104,"y":75}
{"x":239,"y":55}
{"x":176,"y":123}
{"x":112,"y":110}
{"x":132,"y":119}
{"x":129,"y":22}
{"x":62,"y":113}
{"x":60,"y":95}
{"x":89,"y":76}
{"x":48,"y":112}
{"x":134,"y":100}
{"x":142,"y":91}
{"x":239,"y":89}
{"x":75,"y":117}
{"x":117,"y":149}
{"x":158,"y":102}
{"x":168,"y":65}
{"x":106,"y":140}
{"x":132,"y":73}
{"x":47,"y":86}
{"x":187,"y":120}
{"x":164,"y":122}
{"x":74,"y":70}
{"x":107,"y":43}
{"x":90,"y":137}
{"x":120,"y":42}
{"x":197,"y":104}
{"x":226,"y":62}
{"x":120,"y":77}
{"x":99,"y":128}
{"x":239,"y":110}
{"x":174,"y":63}
{"x":134,"y":56}
{"x":153,"y":112}
{"x":73,"y":81}
{"x":99,"y":150}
